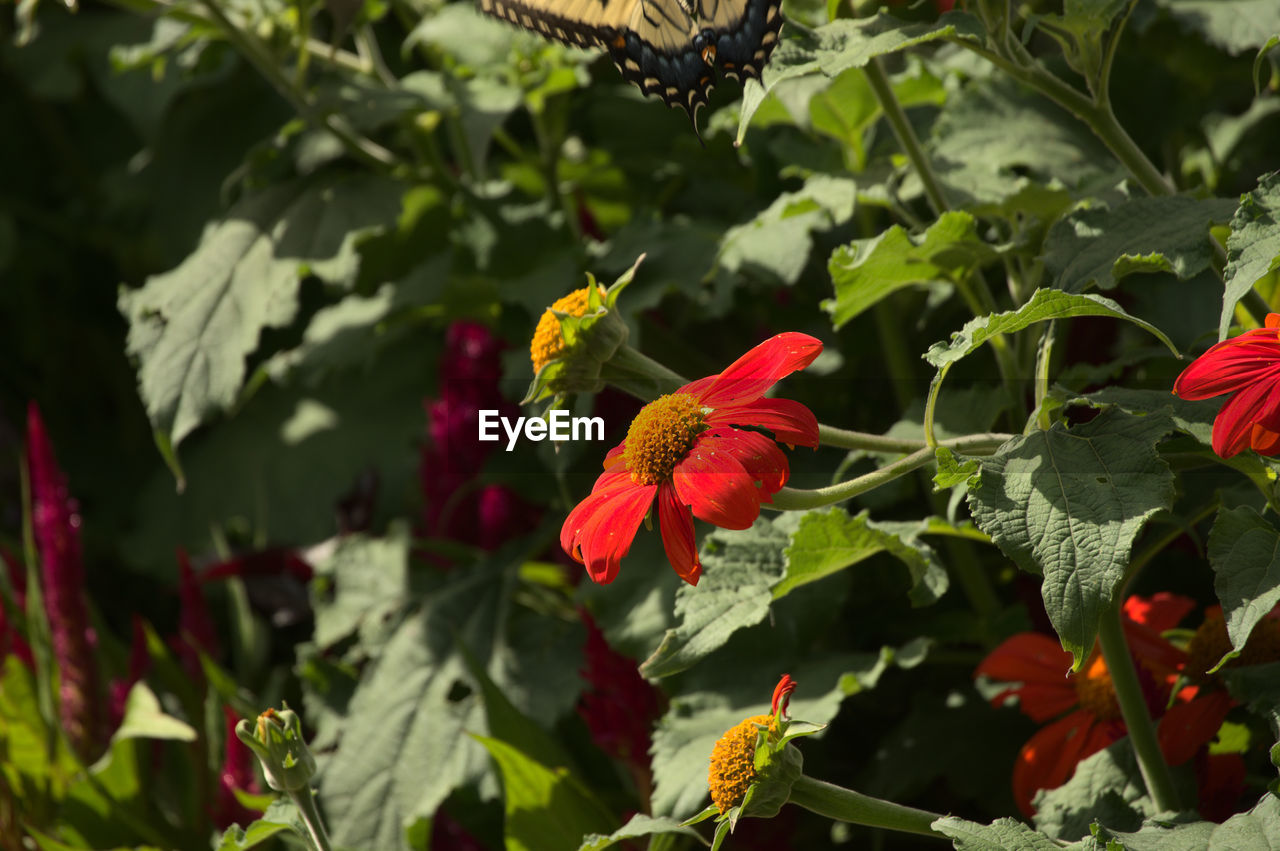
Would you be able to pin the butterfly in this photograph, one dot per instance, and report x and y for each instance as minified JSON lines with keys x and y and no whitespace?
{"x":669,"y":48}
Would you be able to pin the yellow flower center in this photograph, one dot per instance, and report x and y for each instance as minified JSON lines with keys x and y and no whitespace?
{"x":733,"y":763}
{"x":1211,"y":642}
{"x":1095,"y":691}
{"x":548,"y":342}
{"x":660,"y":435}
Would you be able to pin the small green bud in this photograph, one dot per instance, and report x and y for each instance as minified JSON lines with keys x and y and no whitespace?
{"x":277,"y":741}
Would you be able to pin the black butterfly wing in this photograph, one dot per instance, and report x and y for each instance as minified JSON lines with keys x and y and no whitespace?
{"x":668,"y":48}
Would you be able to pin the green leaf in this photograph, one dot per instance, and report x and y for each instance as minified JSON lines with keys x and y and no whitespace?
{"x":867,"y":270}
{"x":1162,"y":836}
{"x":546,"y":809}
{"x":191,"y":328}
{"x":1043,"y":306}
{"x":640,"y":825}
{"x":1106,"y":787}
{"x":1258,"y":62}
{"x":846,"y":43}
{"x":281,"y":816}
{"x":739,"y":568}
{"x":996,"y":142}
{"x":144,"y":719}
{"x":1259,"y":828}
{"x":775,"y":245}
{"x":1233,"y":25}
{"x":402,"y":747}
{"x":1253,"y":249}
{"x":1098,"y":246}
{"x":830,"y":541}
{"x":1004,"y":834}
{"x":362,"y":585}
{"x":952,"y":471}
{"x":1069,"y":503}
{"x":1244,"y":551}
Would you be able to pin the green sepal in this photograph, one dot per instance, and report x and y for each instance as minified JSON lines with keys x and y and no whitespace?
{"x":711,"y":810}
{"x":781,"y":769}
{"x":590,"y":341}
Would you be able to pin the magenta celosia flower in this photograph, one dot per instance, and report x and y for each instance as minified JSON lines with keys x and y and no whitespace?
{"x":456,"y":507}
{"x":139,"y":664}
{"x":55,"y":521}
{"x":196,"y":633}
{"x":618,"y":705}
{"x":237,"y":773}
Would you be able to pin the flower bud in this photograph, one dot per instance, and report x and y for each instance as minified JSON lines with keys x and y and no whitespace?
{"x":277,"y":741}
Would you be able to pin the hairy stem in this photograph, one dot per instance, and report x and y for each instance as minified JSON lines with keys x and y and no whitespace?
{"x":1142,"y":733}
{"x":836,"y":802}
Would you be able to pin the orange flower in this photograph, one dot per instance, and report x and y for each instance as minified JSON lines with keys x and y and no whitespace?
{"x":688,"y":451}
{"x":1086,"y":716}
{"x":1247,"y":367}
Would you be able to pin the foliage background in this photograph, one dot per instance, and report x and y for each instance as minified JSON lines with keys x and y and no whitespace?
{"x":231,"y":321}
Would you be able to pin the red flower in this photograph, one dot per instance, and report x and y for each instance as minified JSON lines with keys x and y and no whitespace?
{"x":237,"y":773}
{"x":686,"y":451}
{"x":1086,"y":716}
{"x":1248,"y":367}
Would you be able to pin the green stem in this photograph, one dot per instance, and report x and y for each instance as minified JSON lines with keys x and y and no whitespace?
{"x":906,"y":135}
{"x":794,"y":499}
{"x":366,"y":150}
{"x":843,"y":439}
{"x":640,"y":375}
{"x":306,"y":803}
{"x":836,"y":802}
{"x":1142,"y":733}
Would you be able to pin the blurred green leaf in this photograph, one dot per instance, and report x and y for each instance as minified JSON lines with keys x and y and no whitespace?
{"x":192,"y":328}
{"x":1244,"y":551}
{"x":546,"y":809}
{"x":1232,"y":25}
{"x":144,"y":719}
{"x":1069,"y":503}
{"x":1099,"y":246}
{"x":850,"y":43}
{"x":281,"y":816}
{"x":831,"y":541}
{"x":638,"y":826}
{"x":1253,"y":249}
{"x":868,"y":270}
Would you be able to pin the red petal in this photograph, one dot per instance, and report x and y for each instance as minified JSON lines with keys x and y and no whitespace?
{"x":1264,"y":441}
{"x":759,"y":456}
{"x":676,"y":522}
{"x":1221,"y":780}
{"x":747,"y":378}
{"x":790,"y":422}
{"x":1187,"y":727}
{"x":1042,"y":702}
{"x":1230,"y":365}
{"x":1256,"y":403}
{"x":1161,"y":612}
{"x":1028,"y":657}
{"x":599,"y":532}
{"x":717,"y":488}
{"x":1049,"y":758}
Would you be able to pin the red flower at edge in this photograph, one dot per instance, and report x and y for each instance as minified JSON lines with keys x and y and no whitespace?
{"x":1247,"y":367}
{"x":684,"y":450}
{"x":1084,"y":704}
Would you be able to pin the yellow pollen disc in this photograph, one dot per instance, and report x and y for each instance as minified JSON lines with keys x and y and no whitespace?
{"x":548,"y":342}
{"x":661,"y":434}
{"x":733,"y":763}
{"x":1095,"y":692}
{"x":1211,"y":643}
